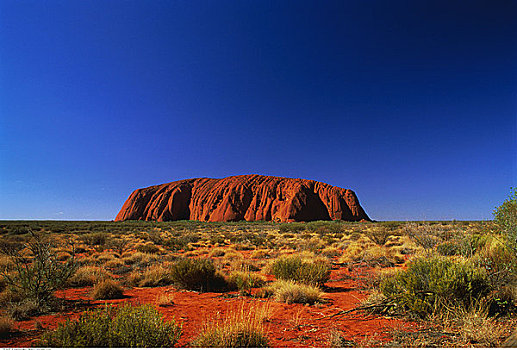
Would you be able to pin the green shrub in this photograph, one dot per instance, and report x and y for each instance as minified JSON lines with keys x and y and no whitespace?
{"x":291,"y":292}
{"x":122,"y":327}
{"x":431,"y":284}
{"x":506,"y":219}
{"x":197,"y":274}
{"x":107,"y":289}
{"x":294,"y":267}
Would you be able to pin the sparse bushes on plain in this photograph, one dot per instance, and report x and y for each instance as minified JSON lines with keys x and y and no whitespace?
{"x":301,"y":269}
{"x":121,"y":327}
{"x":197,"y":274}
{"x":107,"y":289}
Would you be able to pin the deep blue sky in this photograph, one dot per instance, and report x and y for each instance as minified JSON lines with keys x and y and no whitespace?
{"x":412,"y":104}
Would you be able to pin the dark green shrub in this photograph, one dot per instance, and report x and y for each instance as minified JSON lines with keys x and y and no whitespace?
{"x":122,"y":327}
{"x":314,"y":271}
{"x":197,"y":274}
{"x":107,"y":289}
{"x":431,"y":284}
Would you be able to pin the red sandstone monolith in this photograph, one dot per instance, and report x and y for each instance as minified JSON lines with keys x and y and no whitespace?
{"x":244,"y":197}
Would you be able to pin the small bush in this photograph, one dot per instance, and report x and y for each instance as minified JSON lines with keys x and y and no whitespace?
{"x":122,"y":327}
{"x":107,"y":289}
{"x":240,"y":329}
{"x":39,"y":273}
{"x":431,"y":284}
{"x":294,"y":267}
{"x":291,"y":292}
{"x":197,"y":274}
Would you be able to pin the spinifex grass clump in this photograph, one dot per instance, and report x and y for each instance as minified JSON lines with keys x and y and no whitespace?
{"x":429,"y":285}
{"x":120,"y":327}
{"x":314,"y":271}
{"x":292,"y":292}
{"x":245,"y":280}
{"x":241,"y":328}
{"x":107,"y":289}
{"x":197,"y":274}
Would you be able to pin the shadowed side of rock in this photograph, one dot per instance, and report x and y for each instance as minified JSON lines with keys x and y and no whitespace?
{"x":244,"y":197}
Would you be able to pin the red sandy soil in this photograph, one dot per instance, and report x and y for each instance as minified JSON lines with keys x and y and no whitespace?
{"x":290,"y":326}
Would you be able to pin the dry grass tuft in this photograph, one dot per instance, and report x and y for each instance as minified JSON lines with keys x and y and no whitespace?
{"x":292,"y":292}
{"x":242,"y":328}
{"x":88,"y":276}
{"x":165,"y":299}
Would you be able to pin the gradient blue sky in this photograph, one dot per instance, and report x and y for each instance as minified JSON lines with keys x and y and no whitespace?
{"x":412,"y":104}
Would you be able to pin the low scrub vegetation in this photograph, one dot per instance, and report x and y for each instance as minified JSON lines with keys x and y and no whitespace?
{"x":120,"y":327}
{"x":429,"y":285}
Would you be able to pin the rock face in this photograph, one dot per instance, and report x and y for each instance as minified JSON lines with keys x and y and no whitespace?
{"x":244,"y":197}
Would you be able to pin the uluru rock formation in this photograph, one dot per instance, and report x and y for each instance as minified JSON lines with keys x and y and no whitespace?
{"x":244,"y":197}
